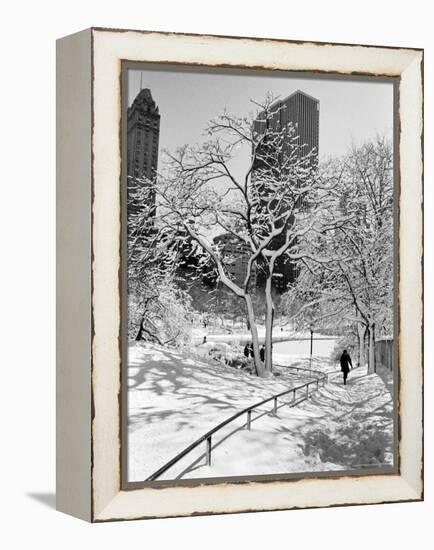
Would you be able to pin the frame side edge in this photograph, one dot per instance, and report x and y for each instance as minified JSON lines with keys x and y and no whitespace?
{"x":73,"y":275}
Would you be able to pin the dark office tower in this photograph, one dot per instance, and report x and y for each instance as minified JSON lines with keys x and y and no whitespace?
{"x":143,"y":130}
{"x":302,"y":111}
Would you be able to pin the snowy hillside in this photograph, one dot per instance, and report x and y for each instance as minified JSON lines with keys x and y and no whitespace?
{"x":173,"y":400}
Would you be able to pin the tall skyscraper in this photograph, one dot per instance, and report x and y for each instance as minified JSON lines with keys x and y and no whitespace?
{"x":302,"y":111}
{"x":143,"y":132}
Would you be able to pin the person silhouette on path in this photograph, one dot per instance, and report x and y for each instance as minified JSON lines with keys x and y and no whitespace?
{"x":345,"y":364}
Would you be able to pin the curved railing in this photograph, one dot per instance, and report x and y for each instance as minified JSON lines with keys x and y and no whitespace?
{"x":302,"y":369}
{"x":322,"y":377}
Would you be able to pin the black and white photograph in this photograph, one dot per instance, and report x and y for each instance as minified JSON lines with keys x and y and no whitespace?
{"x":260,"y":274}
{"x":216,"y":293}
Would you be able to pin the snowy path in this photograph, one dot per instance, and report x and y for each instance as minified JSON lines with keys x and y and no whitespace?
{"x":174,"y":400}
{"x":338,"y":428}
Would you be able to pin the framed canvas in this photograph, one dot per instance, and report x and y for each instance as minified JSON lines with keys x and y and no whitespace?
{"x":239,"y":274}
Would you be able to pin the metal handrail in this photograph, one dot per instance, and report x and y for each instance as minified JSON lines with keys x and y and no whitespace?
{"x":248,"y":410}
{"x":298,"y":369}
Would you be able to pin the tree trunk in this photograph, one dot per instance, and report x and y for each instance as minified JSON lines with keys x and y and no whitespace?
{"x":371,"y":363}
{"x":361,"y":332}
{"x":255,"y":340}
{"x":269,"y":317}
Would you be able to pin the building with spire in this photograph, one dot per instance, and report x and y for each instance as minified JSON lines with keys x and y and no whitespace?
{"x":143,"y":134}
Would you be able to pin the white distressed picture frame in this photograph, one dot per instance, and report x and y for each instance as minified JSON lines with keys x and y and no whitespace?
{"x":88,"y":274}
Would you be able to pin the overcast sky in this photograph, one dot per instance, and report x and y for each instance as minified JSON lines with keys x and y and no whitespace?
{"x":350,"y":110}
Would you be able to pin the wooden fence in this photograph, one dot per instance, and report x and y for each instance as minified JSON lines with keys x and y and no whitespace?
{"x":384,"y":352}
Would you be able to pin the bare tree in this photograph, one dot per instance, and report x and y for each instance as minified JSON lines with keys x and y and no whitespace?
{"x":269,"y":209}
{"x":357,"y":287}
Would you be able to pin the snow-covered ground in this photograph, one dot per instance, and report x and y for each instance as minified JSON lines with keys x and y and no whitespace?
{"x":243,"y":336}
{"x":239,"y":333}
{"x":174,"y":399}
{"x":291,"y":351}
{"x":338,"y":428}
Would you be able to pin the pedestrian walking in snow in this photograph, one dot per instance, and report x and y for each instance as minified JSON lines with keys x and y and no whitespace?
{"x":246,"y":350}
{"x":251,"y":350}
{"x":262,"y":353}
{"x":346,"y":364}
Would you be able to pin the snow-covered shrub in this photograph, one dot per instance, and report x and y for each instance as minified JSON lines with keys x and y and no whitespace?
{"x":160,"y":314}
